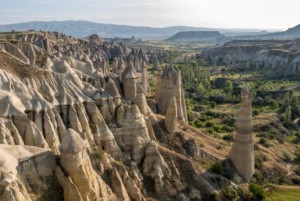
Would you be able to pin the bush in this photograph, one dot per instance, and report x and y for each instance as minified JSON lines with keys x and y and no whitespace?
{"x":263,"y":141}
{"x":198,"y":124}
{"x":99,"y":153}
{"x":297,"y":155}
{"x":211,"y":131}
{"x":287,"y":156}
{"x":228,"y":137}
{"x":217,"y":128}
{"x":259,"y":159}
{"x":255,"y":112}
{"x":217,"y":168}
{"x":230,"y":193}
{"x":227,"y":128}
{"x":257,"y":191}
{"x":209,"y":124}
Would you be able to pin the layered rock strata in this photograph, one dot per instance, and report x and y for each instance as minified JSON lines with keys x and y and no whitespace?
{"x":242,"y":151}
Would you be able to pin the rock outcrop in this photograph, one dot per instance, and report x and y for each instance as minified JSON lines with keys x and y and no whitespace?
{"x":242,"y":151}
{"x":80,"y":181}
{"x":170,"y":85}
{"x":171,"y":123}
{"x":129,"y":79}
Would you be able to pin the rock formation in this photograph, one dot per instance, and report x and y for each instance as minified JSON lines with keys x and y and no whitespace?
{"x":242,"y":151}
{"x":170,"y":85}
{"x":80,"y":181}
{"x":171,"y":117}
{"x":145,"y":83}
{"x":141,"y":101}
{"x":155,"y":63}
{"x":129,"y":79}
{"x":91,"y":133}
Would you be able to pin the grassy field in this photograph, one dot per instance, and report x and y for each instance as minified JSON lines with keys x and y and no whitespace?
{"x":284,"y":194}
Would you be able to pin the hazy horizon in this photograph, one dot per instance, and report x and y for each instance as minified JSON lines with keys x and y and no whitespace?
{"x":232,"y":14}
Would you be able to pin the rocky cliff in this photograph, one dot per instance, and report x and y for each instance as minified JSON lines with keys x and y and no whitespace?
{"x":74,"y":127}
{"x":282,"y":56}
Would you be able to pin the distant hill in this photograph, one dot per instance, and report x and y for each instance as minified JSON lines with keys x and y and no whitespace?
{"x":291,"y":33}
{"x":197,"y":36}
{"x":85,"y":28}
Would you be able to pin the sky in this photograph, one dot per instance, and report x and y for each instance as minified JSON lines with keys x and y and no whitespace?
{"x":260,"y":14}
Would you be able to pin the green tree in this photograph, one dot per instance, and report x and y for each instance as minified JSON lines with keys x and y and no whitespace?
{"x":257,"y":191}
{"x":200,"y":90}
{"x":228,"y":87}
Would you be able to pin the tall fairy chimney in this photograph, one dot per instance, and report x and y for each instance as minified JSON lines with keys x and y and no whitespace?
{"x":242,"y":151}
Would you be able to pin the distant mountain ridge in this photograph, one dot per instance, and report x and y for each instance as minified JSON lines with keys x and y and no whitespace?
{"x":196,"y":36}
{"x":85,"y":28}
{"x":291,"y":33}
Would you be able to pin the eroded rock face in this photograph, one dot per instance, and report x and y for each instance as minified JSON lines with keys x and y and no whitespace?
{"x":257,"y":54}
{"x":169,"y":86}
{"x":80,"y":178}
{"x":131,"y":131}
{"x":155,"y":166}
{"x":129,"y":79}
{"x":171,"y":123}
{"x":242,"y":151}
{"x":19,"y":162}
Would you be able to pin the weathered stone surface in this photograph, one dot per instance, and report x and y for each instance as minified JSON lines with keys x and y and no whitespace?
{"x":118,"y":186}
{"x":242,"y":151}
{"x":171,"y":123}
{"x":170,"y":85}
{"x":75,"y":161}
{"x":155,"y":166}
{"x":129,"y":82}
{"x":131,"y":131}
{"x":141,"y":101}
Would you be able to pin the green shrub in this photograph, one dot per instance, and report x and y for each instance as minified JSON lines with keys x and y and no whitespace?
{"x":255,"y":112}
{"x":228,"y":137}
{"x":209,"y":124}
{"x":99,"y":153}
{"x":263,"y":141}
{"x":259,"y":159}
{"x":257,"y":191}
{"x":297,"y":154}
{"x":227,"y":128}
{"x":230,"y":194}
{"x":217,"y":128}
{"x":217,"y":168}
{"x":198,"y":124}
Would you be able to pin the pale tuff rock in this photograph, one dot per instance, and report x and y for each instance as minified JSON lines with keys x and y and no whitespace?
{"x":75,"y":161}
{"x":112,"y":90}
{"x":121,"y":68}
{"x":170,"y":85}
{"x":115,"y":65}
{"x":132,"y":183}
{"x":103,"y":137}
{"x":30,"y":134}
{"x":141,"y":101}
{"x":155,"y":63}
{"x":50,"y":131}
{"x":105,"y":103}
{"x":118,"y":186}
{"x":157,"y":85}
{"x":12,"y":187}
{"x":129,"y":79}
{"x":155,"y":166}
{"x":242,"y":151}
{"x":131,"y":131}
{"x":145,"y":83}
{"x":9,"y":134}
{"x":171,"y":123}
